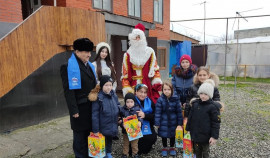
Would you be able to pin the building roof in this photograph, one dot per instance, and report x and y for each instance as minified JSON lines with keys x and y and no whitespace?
{"x":180,"y":37}
{"x":247,"y":40}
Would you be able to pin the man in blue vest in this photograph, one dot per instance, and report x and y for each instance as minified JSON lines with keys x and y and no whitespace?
{"x":79,"y":78}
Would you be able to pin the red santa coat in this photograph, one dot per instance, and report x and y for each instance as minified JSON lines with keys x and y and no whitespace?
{"x":147,"y":74}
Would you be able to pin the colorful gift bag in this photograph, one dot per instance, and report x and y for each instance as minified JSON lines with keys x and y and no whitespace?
{"x":96,"y":145}
{"x":187,"y":146}
{"x":179,"y":138}
{"x":131,"y":125}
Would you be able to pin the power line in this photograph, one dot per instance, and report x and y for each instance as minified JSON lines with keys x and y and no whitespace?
{"x":197,"y":31}
{"x":220,"y":18}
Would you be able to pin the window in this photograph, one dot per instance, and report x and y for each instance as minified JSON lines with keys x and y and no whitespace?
{"x":103,"y":4}
{"x":134,"y":8}
{"x":162,"y":57}
{"x":158,"y":11}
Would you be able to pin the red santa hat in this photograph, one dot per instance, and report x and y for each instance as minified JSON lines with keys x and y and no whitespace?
{"x":140,"y":26}
{"x":137,"y":31}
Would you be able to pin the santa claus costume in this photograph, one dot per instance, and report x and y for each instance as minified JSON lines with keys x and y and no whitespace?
{"x":140,"y":65}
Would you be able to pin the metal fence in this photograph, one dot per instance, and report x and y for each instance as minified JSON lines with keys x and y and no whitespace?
{"x":254,"y":71}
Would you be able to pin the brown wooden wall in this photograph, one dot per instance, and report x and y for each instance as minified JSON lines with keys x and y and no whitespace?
{"x":39,"y":37}
{"x":179,"y":37}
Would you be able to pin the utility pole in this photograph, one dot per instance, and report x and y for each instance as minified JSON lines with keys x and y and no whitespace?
{"x":204,"y":33}
{"x":226,"y":51}
{"x":204,"y":10}
{"x":236,"y":54}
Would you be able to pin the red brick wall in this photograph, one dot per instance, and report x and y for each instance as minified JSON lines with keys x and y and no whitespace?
{"x":61,"y":3}
{"x":162,"y":31}
{"x":120,"y":7}
{"x":147,"y":10}
{"x":11,"y":11}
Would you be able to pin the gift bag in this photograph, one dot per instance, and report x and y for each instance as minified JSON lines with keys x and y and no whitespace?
{"x":187,"y":146}
{"x":131,"y":125}
{"x":179,"y":138}
{"x":96,"y":145}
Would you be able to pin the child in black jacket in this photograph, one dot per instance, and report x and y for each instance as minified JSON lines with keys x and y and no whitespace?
{"x":130,"y":108}
{"x":204,"y":120}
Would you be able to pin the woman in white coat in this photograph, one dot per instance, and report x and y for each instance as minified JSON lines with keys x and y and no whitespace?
{"x":103,"y":63}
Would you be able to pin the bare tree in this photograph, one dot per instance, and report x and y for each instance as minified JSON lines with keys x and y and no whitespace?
{"x":223,"y":38}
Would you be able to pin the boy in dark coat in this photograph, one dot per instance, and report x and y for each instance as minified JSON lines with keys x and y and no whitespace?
{"x":130,"y":108}
{"x":105,"y":112}
{"x":204,"y":120}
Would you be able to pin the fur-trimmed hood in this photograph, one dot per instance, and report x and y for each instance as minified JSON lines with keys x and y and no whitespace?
{"x":93,"y":95}
{"x":213,"y":76}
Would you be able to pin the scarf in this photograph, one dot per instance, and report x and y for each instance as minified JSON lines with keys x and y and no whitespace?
{"x":146,"y":128}
{"x":74,"y":73}
{"x":190,"y":72}
{"x":147,"y":105}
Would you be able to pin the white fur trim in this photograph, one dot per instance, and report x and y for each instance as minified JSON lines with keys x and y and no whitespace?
{"x":152,"y":66}
{"x":156,"y":80}
{"x":124,"y":64}
{"x":127,"y":90}
{"x":210,"y":81}
{"x":135,"y":33}
{"x":101,"y":44}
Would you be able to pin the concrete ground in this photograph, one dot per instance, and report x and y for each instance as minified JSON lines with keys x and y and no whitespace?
{"x":38,"y":140}
{"x":46,"y":140}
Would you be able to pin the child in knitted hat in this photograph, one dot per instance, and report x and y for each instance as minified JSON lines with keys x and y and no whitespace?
{"x":204,"y":120}
{"x":105,"y":112}
{"x":130,"y":108}
{"x":183,"y":78}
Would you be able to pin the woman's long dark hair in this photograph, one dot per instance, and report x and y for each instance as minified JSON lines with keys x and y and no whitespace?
{"x":108,"y":62}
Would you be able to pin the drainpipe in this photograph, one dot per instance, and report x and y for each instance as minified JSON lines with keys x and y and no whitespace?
{"x":54,"y":3}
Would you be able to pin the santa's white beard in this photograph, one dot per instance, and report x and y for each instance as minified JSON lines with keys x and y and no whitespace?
{"x":138,"y":53}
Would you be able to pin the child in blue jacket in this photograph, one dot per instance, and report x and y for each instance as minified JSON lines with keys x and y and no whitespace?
{"x":183,"y":78}
{"x":168,"y":117}
{"x":105,"y":112}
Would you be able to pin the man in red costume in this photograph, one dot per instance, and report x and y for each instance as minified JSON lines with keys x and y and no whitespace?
{"x":140,"y":65}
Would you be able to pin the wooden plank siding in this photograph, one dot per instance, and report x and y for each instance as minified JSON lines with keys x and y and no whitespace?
{"x":39,"y":37}
{"x":179,"y":37}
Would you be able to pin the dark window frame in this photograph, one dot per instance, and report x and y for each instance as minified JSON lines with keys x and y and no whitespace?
{"x":134,"y":10}
{"x":161,"y":67}
{"x":161,"y":11}
{"x":111,"y":11}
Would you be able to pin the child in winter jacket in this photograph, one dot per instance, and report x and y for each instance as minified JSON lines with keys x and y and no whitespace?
{"x":204,"y":120}
{"x":202,"y":74}
{"x":105,"y":112}
{"x":168,"y":117}
{"x":183,"y":78}
{"x":130,"y":108}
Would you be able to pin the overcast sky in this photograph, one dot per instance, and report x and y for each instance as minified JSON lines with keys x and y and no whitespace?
{"x":192,"y":9}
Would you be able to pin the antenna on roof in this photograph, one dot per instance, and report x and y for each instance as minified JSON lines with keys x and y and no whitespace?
{"x":204,"y":3}
{"x":237,"y":44}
